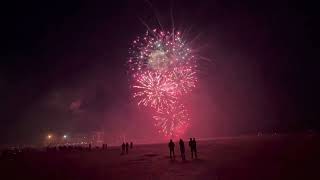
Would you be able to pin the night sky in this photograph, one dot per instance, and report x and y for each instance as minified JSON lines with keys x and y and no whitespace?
{"x":62,"y":67}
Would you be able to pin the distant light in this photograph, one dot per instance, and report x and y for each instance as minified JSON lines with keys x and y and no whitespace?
{"x":65,"y":136}
{"x":49,"y":136}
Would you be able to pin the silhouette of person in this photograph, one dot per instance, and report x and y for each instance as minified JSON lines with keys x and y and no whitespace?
{"x":131,"y":145}
{"x":194,"y":142}
{"x":171,"y":147}
{"x":182,"y":149}
{"x":127,"y":147}
{"x":123,"y":146}
{"x":191,"y":147}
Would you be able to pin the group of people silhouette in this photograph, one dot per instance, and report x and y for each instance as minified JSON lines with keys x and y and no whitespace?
{"x":125,"y":147}
{"x":75,"y":148}
{"x":192,"y":145}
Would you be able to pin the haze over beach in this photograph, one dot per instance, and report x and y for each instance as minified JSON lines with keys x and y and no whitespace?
{"x":97,"y":89}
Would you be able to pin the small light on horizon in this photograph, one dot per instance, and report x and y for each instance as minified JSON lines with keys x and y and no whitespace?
{"x":65,"y":136}
{"x":49,"y":136}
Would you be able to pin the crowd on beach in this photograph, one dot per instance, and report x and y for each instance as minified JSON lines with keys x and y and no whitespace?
{"x":124,"y":147}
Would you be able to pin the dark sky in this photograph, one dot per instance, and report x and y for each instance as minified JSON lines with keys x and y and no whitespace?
{"x":62,"y":66}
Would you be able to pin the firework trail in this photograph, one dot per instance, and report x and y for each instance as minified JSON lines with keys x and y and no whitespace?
{"x":163,"y":69}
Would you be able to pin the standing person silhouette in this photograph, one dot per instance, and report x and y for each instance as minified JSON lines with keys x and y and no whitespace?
{"x":182,"y":150}
{"x":194,"y":142}
{"x":171,"y":148}
{"x":127,"y":148}
{"x":191,"y":147}
{"x":131,"y":145}
{"x":123,"y":146}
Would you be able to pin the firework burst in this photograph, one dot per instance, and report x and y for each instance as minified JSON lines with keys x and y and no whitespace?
{"x":155,"y":89}
{"x":184,"y":78}
{"x":159,"y":50}
{"x":173,"y":121}
{"x":163,"y":68}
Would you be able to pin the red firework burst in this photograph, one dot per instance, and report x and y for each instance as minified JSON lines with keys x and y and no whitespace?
{"x":163,"y":69}
{"x":173,"y":121}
